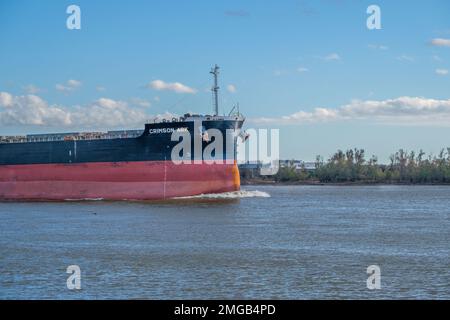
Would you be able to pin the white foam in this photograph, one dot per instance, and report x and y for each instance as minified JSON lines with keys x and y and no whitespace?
{"x":230,"y":195}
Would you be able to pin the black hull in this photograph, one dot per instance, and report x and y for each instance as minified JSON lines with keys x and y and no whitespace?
{"x":154,"y":145}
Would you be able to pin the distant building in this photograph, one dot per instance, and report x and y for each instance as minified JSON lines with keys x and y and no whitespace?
{"x":253,"y":168}
{"x":298,"y":165}
{"x":250,"y":169}
{"x":250,"y":165}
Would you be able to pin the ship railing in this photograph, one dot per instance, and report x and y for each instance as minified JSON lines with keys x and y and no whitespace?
{"x":165,"y":120}
{"x":193,"y":117}
{"x":13,"y":139}
{"x":71,"y":137}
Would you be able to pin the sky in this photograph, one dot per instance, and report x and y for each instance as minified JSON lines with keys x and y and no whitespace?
{"x":312,"y":69}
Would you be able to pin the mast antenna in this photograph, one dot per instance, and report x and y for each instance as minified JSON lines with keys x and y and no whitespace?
{"x":215,"y":89}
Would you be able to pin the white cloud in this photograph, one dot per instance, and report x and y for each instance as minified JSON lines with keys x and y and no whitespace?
{"x":140,"y":102}
{"x":32,"y":89}
{"x":378,"y":46}
{"x":441,"y":72}
{"x":231,"y":88}
{"x":102,"y":113}
{"x":332,"y":57}
{"x":436,"y":58}
{"x":440,"y":42}
{"x":6,"y":99}
{"x":74,"y":83}
{"x":61,"y":87}
{"x":100,"y":88}
{"x":237,"y":13}
{"x":30,"y":110}
{"x":279,"y":73}
{"x":171,"y":86}
{"x":107,"y":113}
{"x":405,"y":57}
{"x":405,"y":110}
{"x":284,"y":72}
{"x":69,"y":86}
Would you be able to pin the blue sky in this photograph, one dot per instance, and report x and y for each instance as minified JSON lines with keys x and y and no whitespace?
{"x":375,"y":89}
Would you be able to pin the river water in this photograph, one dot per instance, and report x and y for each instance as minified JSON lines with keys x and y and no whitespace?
{"x":280,"y":242}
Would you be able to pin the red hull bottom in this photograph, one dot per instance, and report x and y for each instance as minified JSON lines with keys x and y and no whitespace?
{"x":147,"y":180}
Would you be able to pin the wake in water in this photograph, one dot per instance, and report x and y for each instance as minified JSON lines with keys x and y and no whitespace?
{"x":84,"y":199}
{"x":230,"y":195}
{"x":210,"y":196}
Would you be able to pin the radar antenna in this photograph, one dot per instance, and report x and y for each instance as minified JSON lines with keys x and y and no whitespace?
{"x":215,"y":89}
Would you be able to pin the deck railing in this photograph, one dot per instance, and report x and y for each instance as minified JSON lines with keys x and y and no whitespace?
{"x":71,"y":136}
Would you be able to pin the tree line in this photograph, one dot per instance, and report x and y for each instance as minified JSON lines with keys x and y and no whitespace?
{"x":352,"y":166}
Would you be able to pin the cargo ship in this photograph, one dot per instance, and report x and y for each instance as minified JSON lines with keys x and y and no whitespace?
{"x":125,"y":165}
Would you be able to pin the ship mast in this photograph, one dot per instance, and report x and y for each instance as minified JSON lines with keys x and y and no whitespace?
{"x":215,"y":89}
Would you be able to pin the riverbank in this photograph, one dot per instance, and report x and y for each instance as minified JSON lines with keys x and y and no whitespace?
{"x":351,"y":168}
